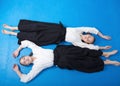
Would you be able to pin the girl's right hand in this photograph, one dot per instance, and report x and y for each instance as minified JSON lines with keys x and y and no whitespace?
{"x":15,"y":67}
{"x":15,"y":53}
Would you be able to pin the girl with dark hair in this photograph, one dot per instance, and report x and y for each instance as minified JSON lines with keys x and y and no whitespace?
{"x":43,"y":33}
{"x":63,"y":56}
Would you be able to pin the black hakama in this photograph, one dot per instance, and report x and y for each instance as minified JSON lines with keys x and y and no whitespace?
{"x":81,"y":59}
{"x":41,"y":33}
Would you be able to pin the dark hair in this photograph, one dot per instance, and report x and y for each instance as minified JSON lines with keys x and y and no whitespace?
{"x":31,"y":54}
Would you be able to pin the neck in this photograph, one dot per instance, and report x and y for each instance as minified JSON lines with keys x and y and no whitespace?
{"x":33,"y":58}
{"x":81,"y":36}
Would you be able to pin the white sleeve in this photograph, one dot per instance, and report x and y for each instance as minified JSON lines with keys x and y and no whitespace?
{"x":34,"y":72}
{"x":84,"y":45}
{"x":87,"y":30}
{"x":30,"y":45}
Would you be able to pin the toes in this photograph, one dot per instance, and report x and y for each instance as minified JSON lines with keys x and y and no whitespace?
{"x":115,"y":51}
{"x":117,"y":64}
{"x":3,"y":31}
{"x":4,"y":25}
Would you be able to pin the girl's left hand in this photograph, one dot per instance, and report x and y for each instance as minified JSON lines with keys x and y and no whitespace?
{"x":107,"y":37}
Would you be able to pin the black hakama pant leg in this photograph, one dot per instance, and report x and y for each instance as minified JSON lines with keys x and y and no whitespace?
{"x":29,"y":25}
{"x":81,"y":59}
{"x":41,"y":33}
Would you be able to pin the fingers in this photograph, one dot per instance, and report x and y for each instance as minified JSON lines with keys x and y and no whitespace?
{"x":108,"y":47}
{"x":107,"y":37}
{"x":14,"y":66}
{"x":14,"y":55}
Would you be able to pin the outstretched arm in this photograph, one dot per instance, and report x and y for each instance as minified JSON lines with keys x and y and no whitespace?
{"x":104,"y":36}
{"x":16,"y":52}
{"x":94,"y":31}
{"x":36,"y":69}
{"x":17,"y":70}
{"x":28,"y":44}
{"x":90,"y":46}
{"x":104,"y":47}
{"x":84,"y":45}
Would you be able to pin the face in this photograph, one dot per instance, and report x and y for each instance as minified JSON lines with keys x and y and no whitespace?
{"x":26,"y":60}
{"x":88,"y":38}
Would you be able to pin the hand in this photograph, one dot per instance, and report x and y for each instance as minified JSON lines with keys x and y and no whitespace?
{"x":106,"y":37}
{"x":15,"y":67}
{"x":107,"y":47}
{"x":15,"y":53}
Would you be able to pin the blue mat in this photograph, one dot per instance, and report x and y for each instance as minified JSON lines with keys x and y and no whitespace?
{"x":103,"y":14}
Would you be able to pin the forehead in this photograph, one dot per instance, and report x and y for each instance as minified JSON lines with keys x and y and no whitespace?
{"x":25,"y":57}
{"x":90,"y":35}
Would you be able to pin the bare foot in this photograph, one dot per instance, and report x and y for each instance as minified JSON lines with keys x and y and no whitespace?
{"x":9,"y":32}
{"x":6,"y":26}
{"x":116,"y":63}
{"x":5,"y":32}
{"x":111,"y":53}
{"x":10,"y":27}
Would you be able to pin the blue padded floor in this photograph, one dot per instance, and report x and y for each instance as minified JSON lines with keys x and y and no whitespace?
{"x":103,"y":14}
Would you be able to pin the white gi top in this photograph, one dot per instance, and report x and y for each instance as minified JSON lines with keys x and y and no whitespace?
{"x":44,"y":60}
{"x":73,"y":36}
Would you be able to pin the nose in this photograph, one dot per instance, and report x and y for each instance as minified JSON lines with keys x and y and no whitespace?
{"x":25,"y":59}
{"x":86,"y":37}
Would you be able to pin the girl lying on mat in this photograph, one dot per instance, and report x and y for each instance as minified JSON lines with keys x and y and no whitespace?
{"x":43,"y":33}
{"x":63,"y":56}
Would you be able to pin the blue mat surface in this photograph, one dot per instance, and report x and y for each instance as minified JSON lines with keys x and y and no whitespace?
{"x":103,"y":14}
